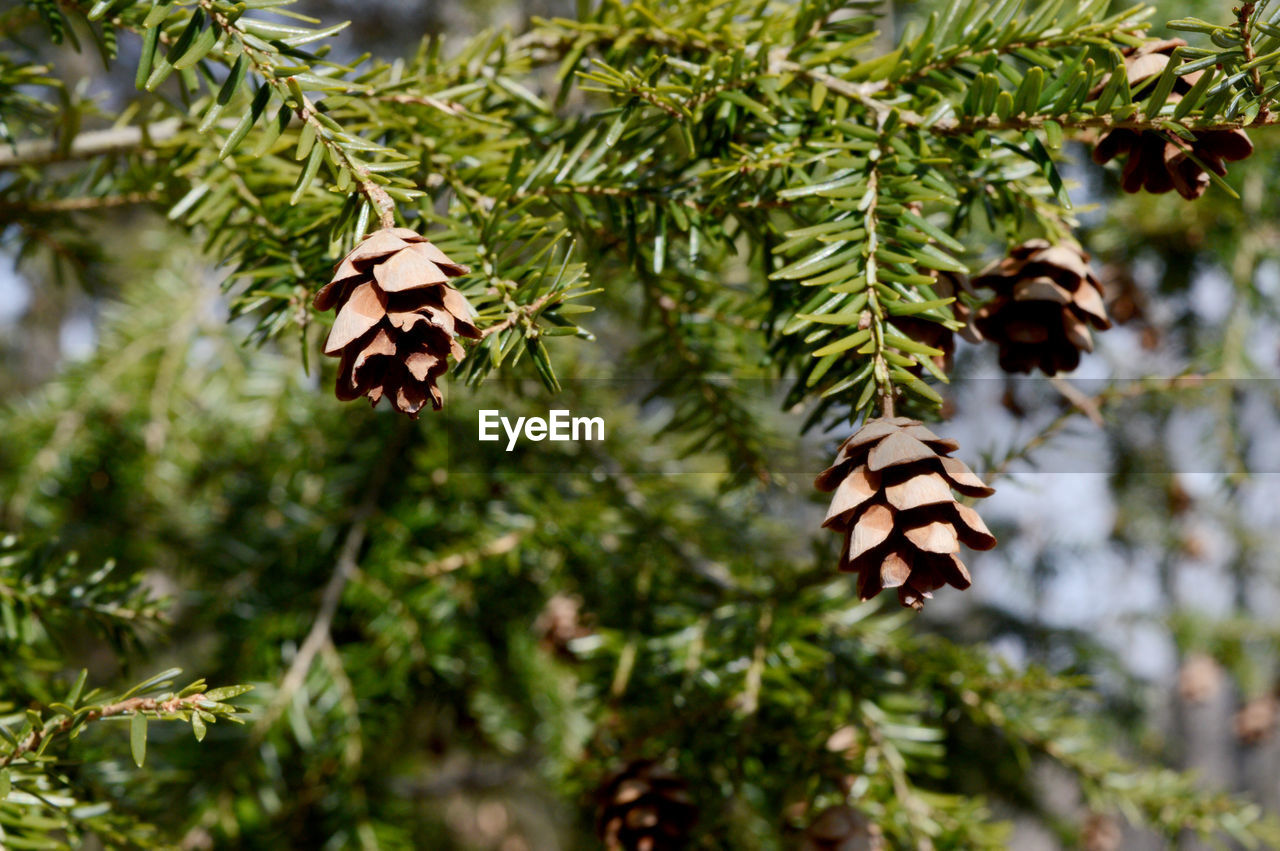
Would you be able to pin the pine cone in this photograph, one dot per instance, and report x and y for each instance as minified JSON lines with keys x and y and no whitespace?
{"x":1199,"y":678}
{"x":935,"y":334}
{"x":560,"y":623}
{"x":1256,"y":720}
{"x":645,"y":808}
{"x":1159,"y":162}
{"x":1045,"y":299}
{"x":397,"y":319}
{"x":893,"y":503}
{"x":838,"y":829}
{"x":1101,"y":833}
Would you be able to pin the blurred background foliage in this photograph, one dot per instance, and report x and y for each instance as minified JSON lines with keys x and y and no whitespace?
{"x":1110,"y":679}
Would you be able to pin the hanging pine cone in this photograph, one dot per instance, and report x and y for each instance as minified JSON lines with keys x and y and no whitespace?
{"x":902,"y":527}
{"x":645,"y":808}
{"x":559,"y":624}
{"x":1101,"y":833}
{"x":1045,"y":300}
{"x":1199,"y":678}
{"x":1256,"y":720}
{"x":838,"y":829}
{"x":935,"y":334}
{"x":1159,"y":162}
{"x":397,"y":319}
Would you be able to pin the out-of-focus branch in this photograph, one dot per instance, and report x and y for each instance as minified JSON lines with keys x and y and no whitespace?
{"x":91,"y":144}
{"x":86,"y":202}
{"x":344,"y":568}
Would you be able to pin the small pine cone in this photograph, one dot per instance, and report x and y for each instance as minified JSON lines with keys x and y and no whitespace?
{"x":1256,"y":720}
{"x":839,"y":829}
{"x":902,"y":526}
{"x":1199,"y":678}
{"x":1159,"y":162}
{"x":1125,"y":300}
{"x":397,"y":319}
{"x":559,"y":623}
{"x":1177,"y":498}
{"x":1045,"y":300}
{"x":935,"y":334}
{"x":645,"y":808}
{"x":1101,"y":833}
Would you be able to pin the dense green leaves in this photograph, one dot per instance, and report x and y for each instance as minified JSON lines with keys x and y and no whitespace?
{"x":716,"y":195}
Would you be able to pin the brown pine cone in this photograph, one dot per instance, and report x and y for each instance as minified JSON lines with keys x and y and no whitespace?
{"x":560,"y":623}
{"x":1101,"y":833}
{"x":935,"y":334}
{"x":643,"y":807}
{"x":1199,"y":678}
{"x":1158,"y":162}
{"x":1256,"y":720}
{"x":1045,"y":300}
{"x":838,"y":829}
{"x":902,"y":527}
{"x":397,"y":319}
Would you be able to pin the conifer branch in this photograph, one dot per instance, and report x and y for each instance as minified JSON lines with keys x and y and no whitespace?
{"x":132,"y":706}
{"x":376,"y":195}
{"x":345,"y":567}
{"x":879,"y":367}
{"x":90,"y":144}
{"x":1244,"y":16}
{"x":521,"y":314}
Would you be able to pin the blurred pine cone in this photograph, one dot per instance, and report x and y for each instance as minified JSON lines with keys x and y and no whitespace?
{"x":1045,"y":299}
{"x":839,"y":829}
{"x":559,"y":623}
{"x":1101,"y":833}
{"x":1256,"y":720}
{"x":902,"y":526}
{"x":397,"y":319}
{"x":1199,"y":678}
{"x":1159,"y":162}
{"x":643,"y":807}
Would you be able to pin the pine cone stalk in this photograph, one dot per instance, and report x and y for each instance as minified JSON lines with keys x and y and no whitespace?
{"x":1046,"y":297}
{"x":893,"y":502}
{"x":397,"y":319}
{"x":644,"y":807}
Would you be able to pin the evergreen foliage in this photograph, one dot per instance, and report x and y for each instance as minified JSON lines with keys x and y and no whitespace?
{"x":710,"y":196}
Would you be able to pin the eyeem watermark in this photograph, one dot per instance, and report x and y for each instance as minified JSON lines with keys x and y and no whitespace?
{"x":559,"y":426}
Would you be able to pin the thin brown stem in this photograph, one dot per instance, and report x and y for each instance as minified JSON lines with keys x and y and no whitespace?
{"x":345,"y":567}
{"x":1099,"y":401}
{"x":1243,"y":17}
{"x":517,"y":315}
{"x":886,"y":403}
{"x":373,"y":192}
{"x":89,"y":202}
{"x":86,"y":145}
{"x":457,"y":561}
{"x":132,"y":706}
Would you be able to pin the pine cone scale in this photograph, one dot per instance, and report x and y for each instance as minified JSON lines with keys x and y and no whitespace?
{"x":963,"y":479}
{"x":364,"y":308}
{"x":896,"y":449}
{"x":858,"y":487}
{"x":917,"y":491}
{"x":407,"y":270}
